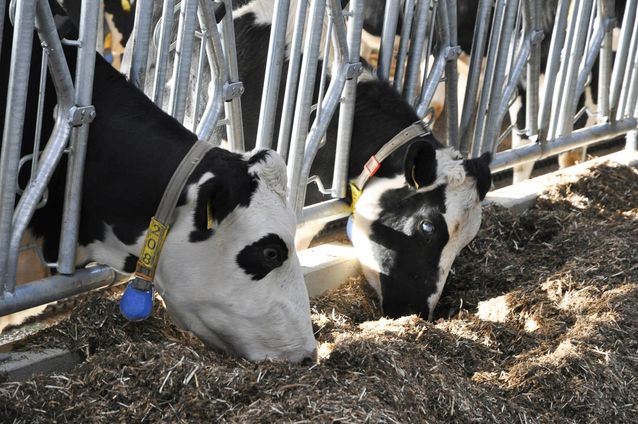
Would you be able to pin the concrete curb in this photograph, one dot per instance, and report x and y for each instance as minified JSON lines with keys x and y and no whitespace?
{"x":522,"y":196}
{"x":18,"y":366}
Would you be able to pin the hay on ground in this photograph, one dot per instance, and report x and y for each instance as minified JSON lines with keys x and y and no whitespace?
{"x":538,"y":323}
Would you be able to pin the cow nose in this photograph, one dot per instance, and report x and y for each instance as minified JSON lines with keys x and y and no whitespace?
{"x":310,"y":359}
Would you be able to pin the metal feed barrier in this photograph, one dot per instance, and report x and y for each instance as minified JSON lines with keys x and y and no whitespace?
{"x":197,"y":38}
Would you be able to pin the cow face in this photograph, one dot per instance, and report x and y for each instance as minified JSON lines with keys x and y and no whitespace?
{"x":238,"y":284}
{"x":407,"y":230}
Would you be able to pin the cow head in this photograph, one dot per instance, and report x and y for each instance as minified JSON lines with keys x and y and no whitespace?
{"x":408,"y":229}
{"x":228,"y":271}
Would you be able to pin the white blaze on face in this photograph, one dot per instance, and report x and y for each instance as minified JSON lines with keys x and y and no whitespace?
{"x":207,"y":292}
{"x":367,"y":211}
{"x":462,"y":214}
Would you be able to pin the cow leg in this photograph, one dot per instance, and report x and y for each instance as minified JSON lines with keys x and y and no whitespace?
{"x":576,"y":156}
{"x":517,"y":115}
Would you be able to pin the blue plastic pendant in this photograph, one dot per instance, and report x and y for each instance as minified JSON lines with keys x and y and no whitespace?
{"x":136,"y":303}
{"x":349,"y":228}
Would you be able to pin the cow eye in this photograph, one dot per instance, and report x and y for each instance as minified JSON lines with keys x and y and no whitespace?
{"x":264,"y":255}
{"x":426,"y":227}
{"x":271,"y":254}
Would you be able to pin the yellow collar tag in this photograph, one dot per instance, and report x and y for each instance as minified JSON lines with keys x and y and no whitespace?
{"x":126,"y":5}
{"x":153,"y":243}
{"x":355,"y":194}
{"x":209,"y":216}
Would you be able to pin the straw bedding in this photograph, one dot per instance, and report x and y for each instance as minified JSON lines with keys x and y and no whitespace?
{"x":538,"y":323}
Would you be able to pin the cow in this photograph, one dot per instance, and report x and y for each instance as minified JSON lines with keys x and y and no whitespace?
{"x":119,"y":16}
{"x":238,"y":286}
{"x":420,"y":208}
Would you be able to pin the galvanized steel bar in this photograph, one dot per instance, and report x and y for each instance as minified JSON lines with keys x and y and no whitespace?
{"x":201,"y":58}
{"x":219,"y":72}
{"x":567,"y":111}
{"x":13,"y":128}
{"x":476,"y":62}
{"x":417,"y":49}
{"x":497,"y":116}
{"x":163,"y":49}
{"x":297,"y":186}
{"x":141,"y":38}
{"x":433,"y":79}
{"x":408,"y":16}
{"x":448,"y":36}
{"x":325,"y":60}
{"x":579,"y":138}
{"x":626,"y":91}
{"x":324,"y":212}
{"x":386,"y":51}
{"x":531,"y":21}
{"x":488,"y":79}
{"x":183,"y":58}
{"x":272,"y":79}
{"x":232,"y":107}
{"x":552,"y":67}
{"x":3,"y":6}
{"x":77,"y":153}
{"x":349,"y":95}
{"x":628,"y":25}
{"x":606,"y":12}
{"x":292,"y":78}
{"x":55,"y":288}
{"x":57,"y":142}
{"x":427,"y":52}
{"x":632,"y":87}
{"x":329,"y":105}
{"x":567,"y":48}
{"x":590,"y":58}
{"x":492,"y":125}
{"x":37,"y":138}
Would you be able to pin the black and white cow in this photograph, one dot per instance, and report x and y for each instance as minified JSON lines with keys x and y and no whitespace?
{"x":417,"y":212}
{"x":239,"y":286}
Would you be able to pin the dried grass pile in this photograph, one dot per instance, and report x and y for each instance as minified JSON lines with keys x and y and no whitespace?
{"x":539,"y":323}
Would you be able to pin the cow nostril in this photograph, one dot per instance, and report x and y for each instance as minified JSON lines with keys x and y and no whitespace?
{"x":310,"y":359}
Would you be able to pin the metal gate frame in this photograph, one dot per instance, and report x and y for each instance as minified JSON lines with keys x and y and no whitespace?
{"x":69,"y":135}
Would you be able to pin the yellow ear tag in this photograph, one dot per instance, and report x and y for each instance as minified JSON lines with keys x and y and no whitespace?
{"x":356,"y":194}
{"x":126,"y":5}
{"x":414,"y":178}
{"x":209,"y":216}
{"x":107,"y":41}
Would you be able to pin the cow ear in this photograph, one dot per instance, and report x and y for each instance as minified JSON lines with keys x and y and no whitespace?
{"x":207,"y":207}
{"x":479,"y":168}
{"x":420,"y":164}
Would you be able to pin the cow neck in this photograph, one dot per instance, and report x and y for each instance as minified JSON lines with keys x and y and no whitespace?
{"x":376,"y":161}
{"x":380,"y":114}
{"x":137,"y":302}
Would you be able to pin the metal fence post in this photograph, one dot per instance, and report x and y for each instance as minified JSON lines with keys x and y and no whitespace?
{"x":272,"y":79}
{"x":13,"y":128}
{"x":77,"y":154}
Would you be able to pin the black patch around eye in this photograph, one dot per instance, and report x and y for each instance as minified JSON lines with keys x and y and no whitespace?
{"x":129,"y":263}
{"x":258,"y":259}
